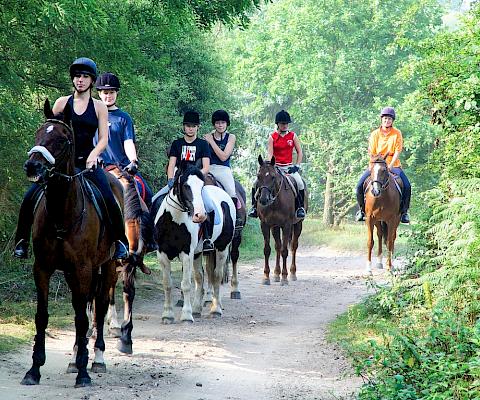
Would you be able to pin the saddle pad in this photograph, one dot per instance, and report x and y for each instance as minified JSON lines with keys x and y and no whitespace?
{"x":96,"y":197}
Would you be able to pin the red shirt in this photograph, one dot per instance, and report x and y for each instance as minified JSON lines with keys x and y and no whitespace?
{"x":283,"y":147}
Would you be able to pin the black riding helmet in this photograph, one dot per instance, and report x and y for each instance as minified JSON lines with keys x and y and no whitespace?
{"x":220,"y":115}
{"x":83,"y":65}
{"x":283,"y":116}
{"x":191,"y":117}
{"x":107,"y":81}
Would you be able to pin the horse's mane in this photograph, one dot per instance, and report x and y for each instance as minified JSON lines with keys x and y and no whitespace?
{"x":132,"y":206}
{"x":189,"y":169}
{"x":377,"y":158}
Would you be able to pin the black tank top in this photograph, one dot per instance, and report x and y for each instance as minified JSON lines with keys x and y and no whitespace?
{"x":84,"y":128}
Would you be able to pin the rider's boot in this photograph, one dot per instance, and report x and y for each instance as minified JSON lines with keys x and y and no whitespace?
{"x":405,"y":218}
{"x":301,"y":204}
{"x":207,"y":235}
{"x":149,"y":230}
{"x":25,"y":221}
{"x":253,"y":211}
{"x":360,"y":216}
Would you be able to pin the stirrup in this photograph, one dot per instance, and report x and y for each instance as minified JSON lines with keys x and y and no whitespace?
{"x":121,"y":251}
{"x":360,"y":216}
{"x":21,"y":249}
{"x":208,"y":246}
{"x":405,"y":219}
{"x":253,"y":213}
{"x":300,"y":212}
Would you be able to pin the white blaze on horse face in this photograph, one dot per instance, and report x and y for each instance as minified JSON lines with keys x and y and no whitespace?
{"x":196,"y":185}
{"x":49,"y":129}
{"x":376,"y":184}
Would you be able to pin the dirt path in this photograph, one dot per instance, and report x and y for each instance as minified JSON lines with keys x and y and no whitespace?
{"x":269,"y":345}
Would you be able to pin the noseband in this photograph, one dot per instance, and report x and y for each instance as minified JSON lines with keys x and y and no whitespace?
{"x":179,"y":204}
{"x":383,"y":184}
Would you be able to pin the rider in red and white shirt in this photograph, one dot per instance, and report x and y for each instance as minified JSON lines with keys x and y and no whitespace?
{"x":280,"y":145}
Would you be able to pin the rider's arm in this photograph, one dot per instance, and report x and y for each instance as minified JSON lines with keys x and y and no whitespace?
{"x":130,"y":149}
{"x":205,"y":165}
{"x":102,"y":115}
{"x":298,"y":149}
{"x":269,"y":148}
{"x":223,"y":155}
{"x":171,"y":167}
{"x":59,"y":105}
{"x":398,"y":149}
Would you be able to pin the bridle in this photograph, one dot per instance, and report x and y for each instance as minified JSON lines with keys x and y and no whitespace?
{"x":382,"y":185}
{"x":179,"y":204}
{"x":272,"y":196}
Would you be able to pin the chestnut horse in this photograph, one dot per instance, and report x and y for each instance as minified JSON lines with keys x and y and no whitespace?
{"x":276,"y":211}
{"x":382,"y":210}
{"x":68,"y":235}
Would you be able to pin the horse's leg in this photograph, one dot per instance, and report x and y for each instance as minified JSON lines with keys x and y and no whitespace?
{"x":297,"y":230}
{"x":378,"y":225}
{"x":199,"y":282}
{"x":124,"y":343}
{"x":286,"y":237}
{"x":370,"y":223}
{"x":114,"y":327}
{"x":42,"y":279}
{"x":278,"y":252}
{"x":167,"y":315}
{"x":208,"y":283}
{"x":187,"y":263}
{"x":107,"y":279}
{"x":266,"y":252}
{"x":217,"y":275}
{"x":392,"y":235}
{"x":235,"y":293}
{"x":92,"y":324}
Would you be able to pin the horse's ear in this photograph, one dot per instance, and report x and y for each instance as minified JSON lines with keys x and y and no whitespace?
{"x":272,"y":161}
{"x":47,"y":110}
{"x":67,"y":114}
{"x":260,"y":159}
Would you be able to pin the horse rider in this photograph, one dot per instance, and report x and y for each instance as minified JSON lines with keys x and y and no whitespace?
{"x":88,"y":115}
{"x":121,"y":149}
{"x":280,"y":145}
{"x":388,"y":142}
{"x":221,"y":144}
{"x":192,"y":150}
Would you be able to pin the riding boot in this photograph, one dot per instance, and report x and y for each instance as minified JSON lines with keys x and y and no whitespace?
{"x":207,"y":235}
{"x":114,"y":214}
{"x":406,"y":195}
{"x":25,"y":221}
{"x":253,"y":211}
{"x":238,"y":217}
{"x":300,"y":200}
{"x":360,"y":215}
{"x":149,"y":230}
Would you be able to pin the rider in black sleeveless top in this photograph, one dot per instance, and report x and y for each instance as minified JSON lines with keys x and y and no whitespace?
{"x":84,"y":127}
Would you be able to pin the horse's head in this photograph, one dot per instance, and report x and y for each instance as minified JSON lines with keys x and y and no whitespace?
{"x":187,"y":187}
{"x":267,"y":184}
{"x":53,"y":148}
{"x":379,"y":175}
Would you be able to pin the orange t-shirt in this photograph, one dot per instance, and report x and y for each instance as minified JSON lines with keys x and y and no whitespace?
{"x":386,"y":144}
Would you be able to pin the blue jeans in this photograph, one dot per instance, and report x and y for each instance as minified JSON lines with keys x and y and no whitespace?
{"x":406,"y":192}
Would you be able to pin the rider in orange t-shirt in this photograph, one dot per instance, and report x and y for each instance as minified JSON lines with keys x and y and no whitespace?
{"x":387,"y":141}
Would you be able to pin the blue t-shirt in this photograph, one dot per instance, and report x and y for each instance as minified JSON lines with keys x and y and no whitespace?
{"x":120,"y":128}
{"x":222,"y":144}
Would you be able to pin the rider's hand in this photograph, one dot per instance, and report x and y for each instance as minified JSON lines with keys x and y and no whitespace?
{"x":132,"y":168}
{"x":91,"y":162}
{"x":293,"y":169}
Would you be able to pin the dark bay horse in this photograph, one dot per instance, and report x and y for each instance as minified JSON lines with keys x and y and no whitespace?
{"x":382,"y":210}
{"x":68,"y":235}
{"x":276,"y":211}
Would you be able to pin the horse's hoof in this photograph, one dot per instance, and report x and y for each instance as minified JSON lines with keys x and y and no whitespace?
{"x":125,"y":348}
{"x":207,"y":303}
{"x":179,"y":303}
{"x":83,"y":382}
{"x":196,"y":314}
{"x":29,"y":380}
{"x":266,"y":281}
{"x":114,"y":332}
{"x":276,"y":278}
{"x":379,"y":265}
{"x":284,"y":282}
{"x":215,"y":314}
{"x":167,"y":320}
{"x":293,"y":277}
{"x":187,"y":321}
{"x":235,"y":295}
{"x":368,"y":272}
{"x":99,"y":368}
{"x":72,"y":368}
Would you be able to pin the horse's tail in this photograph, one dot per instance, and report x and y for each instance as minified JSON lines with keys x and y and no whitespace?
{"x":384,"y":232}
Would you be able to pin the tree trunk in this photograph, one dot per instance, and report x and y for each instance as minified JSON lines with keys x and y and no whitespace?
{"x":329,"y":197}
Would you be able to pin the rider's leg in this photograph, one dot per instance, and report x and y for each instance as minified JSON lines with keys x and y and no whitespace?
{"x":360,"y":215}
{"x":224,"y":175}
{"x":253,"y":211}
{"x":406,"y":194}
{"x":207,"y":225}
{"x":114,"y":213}
{"x":25,"y":220}
{"x":300,"y":198}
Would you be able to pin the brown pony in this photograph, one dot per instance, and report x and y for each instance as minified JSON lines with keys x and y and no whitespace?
{"x":382,"y":209}
{"x":136,"y":226}
{"x":276,"y":210}
{"x":68,"y":235}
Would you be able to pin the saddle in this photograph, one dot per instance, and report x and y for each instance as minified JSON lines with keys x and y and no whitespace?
{"x":291,"y":181}
{"x":141,"y":186}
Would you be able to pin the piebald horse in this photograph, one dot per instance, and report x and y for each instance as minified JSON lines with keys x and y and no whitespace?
{"x":178,"y":234}
{"x":382,"y":210}
{"x":68,"y":235}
